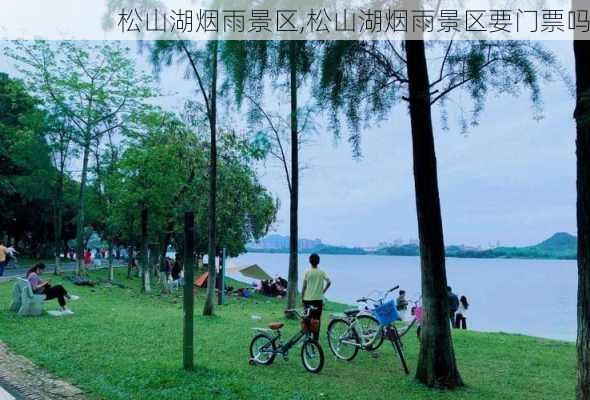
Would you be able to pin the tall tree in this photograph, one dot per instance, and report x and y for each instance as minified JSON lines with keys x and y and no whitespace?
{"x":96,"y":87}
{"x":59,"y":139}
{"x":363,"y":80}
{"x":247,"y":65}
{"x":436,"y":364}
{"x":582,"y":116}
{"x":100,"y":199}
{"x":147,"y":176}
{"x":25,"y":169}
{"x":164,"y":169}
{"x":202,"y":63}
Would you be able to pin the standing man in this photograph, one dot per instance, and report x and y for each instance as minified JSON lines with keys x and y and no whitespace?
{"x":3,"y":257}
{"x":453,"y":305}
{"x":315,"y":285}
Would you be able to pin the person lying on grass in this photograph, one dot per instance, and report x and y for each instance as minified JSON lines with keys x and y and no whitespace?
{"x":51,"y":292}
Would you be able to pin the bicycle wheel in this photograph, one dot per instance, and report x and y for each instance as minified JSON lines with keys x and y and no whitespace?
{"x":343,"y":340}
{"x":398,"y":346}
{"x":262,"y":349}
{"x":312,"y":356}
{"x":371,"y":332}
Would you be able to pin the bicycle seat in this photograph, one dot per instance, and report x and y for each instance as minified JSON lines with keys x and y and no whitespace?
{"x":275,"y":326}
{"x":351,"y":312}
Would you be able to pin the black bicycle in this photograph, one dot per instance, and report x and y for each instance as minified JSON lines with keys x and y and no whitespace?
{"x":267,"y":343}
{"x":365,"y":329}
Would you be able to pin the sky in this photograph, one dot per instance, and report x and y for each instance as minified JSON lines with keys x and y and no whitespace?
{"x":509,"y":180}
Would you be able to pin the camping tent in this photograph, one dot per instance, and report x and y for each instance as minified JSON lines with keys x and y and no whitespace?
{"x":253,"y":271}
{"x":201,"y":281}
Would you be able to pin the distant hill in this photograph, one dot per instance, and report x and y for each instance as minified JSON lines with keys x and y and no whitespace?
{"x":559,"y":246}
{"x":561,"y":241}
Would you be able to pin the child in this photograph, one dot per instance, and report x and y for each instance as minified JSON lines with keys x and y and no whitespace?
{"x":402,"y":304}
{"x":461,"y":316}
{"x":315,"y":285}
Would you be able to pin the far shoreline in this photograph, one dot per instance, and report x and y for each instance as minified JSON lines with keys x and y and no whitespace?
{"x":470,"y":257}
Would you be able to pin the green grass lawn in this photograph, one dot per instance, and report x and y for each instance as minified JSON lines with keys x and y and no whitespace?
{"x":122,"y":344}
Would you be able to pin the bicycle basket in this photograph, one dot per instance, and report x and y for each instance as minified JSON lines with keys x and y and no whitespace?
{"x":386,"y":313}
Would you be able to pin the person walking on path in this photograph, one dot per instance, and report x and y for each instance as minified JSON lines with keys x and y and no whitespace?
{"x":461,"y":316}
{"x":315,"y":284}
{"x":453,"y":305}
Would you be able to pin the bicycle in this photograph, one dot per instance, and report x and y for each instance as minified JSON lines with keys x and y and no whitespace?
{"x":267,"y":344}
{"x":366,"y":328}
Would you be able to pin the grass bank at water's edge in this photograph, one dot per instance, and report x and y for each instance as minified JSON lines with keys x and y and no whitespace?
{"x":122,"y":344}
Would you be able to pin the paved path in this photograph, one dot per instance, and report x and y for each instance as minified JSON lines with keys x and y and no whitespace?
{"x":4,"y":395}
{"x":23,"y":380}
{"x":65,"y":267}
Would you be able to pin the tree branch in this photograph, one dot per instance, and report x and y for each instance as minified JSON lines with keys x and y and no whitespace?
{"x":282,"y":157}
{"x":199,"y":80}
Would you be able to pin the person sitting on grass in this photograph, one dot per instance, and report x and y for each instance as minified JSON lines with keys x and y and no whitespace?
{"x":277,"y":290}
{"x":51,"y":292}
{"x":315,"y":285}
{"x":265,"y":288}
{"x":401,"y":303}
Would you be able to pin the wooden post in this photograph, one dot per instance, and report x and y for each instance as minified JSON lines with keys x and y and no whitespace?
{"x":145,"y":275}
{"x":221,"y":296}
{"x":189,"y":300}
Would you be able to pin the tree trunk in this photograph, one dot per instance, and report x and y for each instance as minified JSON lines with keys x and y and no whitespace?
{"x":58,"y":216}
{"x":144,"y":252}
{"x":80,"y":223}
{"x":189,"y":299}
{"x":210,"y":300}
{"x":57,"y":228}
{"x":129,"y":261}
{"x":582,"y":115}
{"x":111,"y":266}
{"x":294,"y":194}
{"x":163,"y":276}
{"x":437,"y":366}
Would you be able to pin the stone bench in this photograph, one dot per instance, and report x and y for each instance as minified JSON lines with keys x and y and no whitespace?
{"x":24,"y":301}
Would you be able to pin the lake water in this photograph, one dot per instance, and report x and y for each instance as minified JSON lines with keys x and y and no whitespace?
{"x":532,"y":297}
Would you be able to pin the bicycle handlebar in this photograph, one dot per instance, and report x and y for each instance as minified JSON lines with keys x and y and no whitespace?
{"x":299,"y":315}
{"x":368,"y":299}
